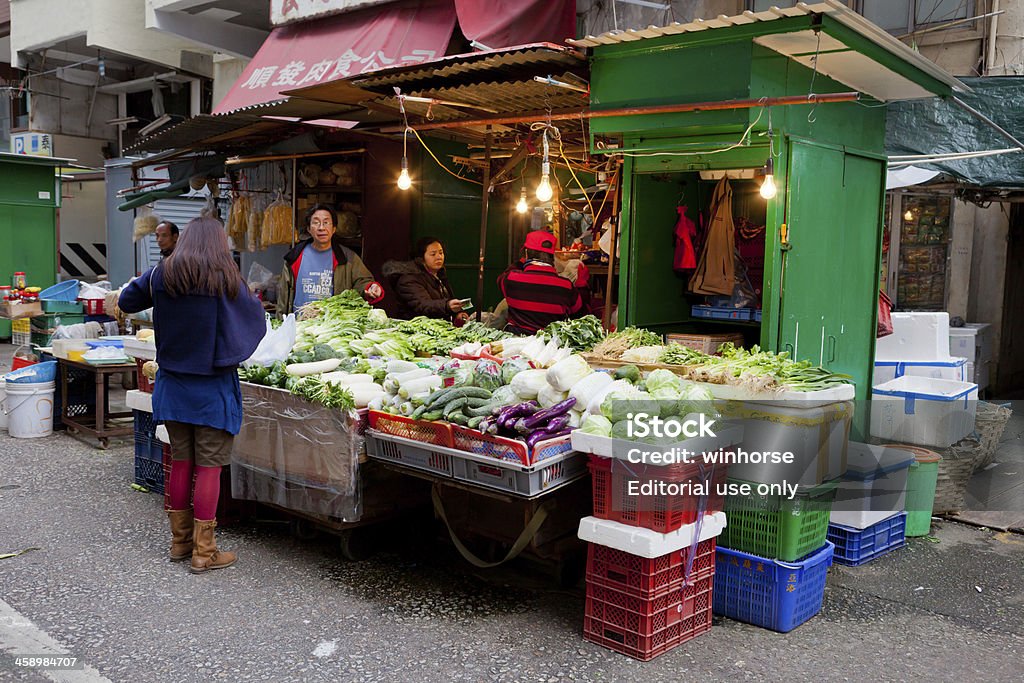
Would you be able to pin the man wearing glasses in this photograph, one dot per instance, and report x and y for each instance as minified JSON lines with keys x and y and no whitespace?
{"x":321,"y":266}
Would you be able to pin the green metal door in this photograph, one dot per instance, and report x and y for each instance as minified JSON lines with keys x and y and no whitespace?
{"x":828,"y":286}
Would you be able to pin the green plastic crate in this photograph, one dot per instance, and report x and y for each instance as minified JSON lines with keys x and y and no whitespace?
{"x":776,"y":527}
{"x":54,"y":306}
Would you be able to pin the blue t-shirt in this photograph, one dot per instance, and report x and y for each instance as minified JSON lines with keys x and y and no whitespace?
{"x":316,"y":276}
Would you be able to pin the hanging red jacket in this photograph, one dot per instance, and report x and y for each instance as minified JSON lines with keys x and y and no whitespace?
{"x":685,"y":234}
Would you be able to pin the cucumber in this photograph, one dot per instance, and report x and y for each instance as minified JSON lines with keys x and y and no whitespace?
{"x":459,"y":419}
{"x":452,"y":407}
{"x":461,"y":392}
{"x":474,"y":421}
{"x":430,"y":416}
{"x":483,"y":410}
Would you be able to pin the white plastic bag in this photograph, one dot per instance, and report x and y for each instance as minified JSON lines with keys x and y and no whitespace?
{"x":606,"y":239}
{"x":93,"y":291}
{"x":276,"y":344}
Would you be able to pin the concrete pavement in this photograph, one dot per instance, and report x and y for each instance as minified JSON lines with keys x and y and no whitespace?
{"x":292,"y":610}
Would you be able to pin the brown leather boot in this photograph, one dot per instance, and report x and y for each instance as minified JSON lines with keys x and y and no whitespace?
{"x":205,"y":555}
{"x":181,"y":534}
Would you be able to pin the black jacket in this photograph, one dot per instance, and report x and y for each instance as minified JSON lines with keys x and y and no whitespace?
{"x":417,"y":291}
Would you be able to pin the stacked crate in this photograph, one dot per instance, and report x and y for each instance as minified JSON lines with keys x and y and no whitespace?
{"x":773,"y":557}
{"x":651,"y":558}
{"x":869,"y":518}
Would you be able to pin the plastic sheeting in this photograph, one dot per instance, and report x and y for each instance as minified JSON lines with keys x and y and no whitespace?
{"x":937,"y":126}
{"x":297,"y":455}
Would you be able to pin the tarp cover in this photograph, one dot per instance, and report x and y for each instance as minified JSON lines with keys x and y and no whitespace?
{"x":937,"y":126}
{"x":501,"y":23}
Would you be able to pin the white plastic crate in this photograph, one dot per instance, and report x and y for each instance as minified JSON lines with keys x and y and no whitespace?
{"x":943,"y":368}
{"x":817,"y":436}
{"x":915,"y":336}
{"x":874,"y":486}
{"x":923,"y":411}
{"x":644,"y":542}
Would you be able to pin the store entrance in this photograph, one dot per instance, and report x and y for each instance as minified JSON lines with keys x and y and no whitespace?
{"x":659,"y":293}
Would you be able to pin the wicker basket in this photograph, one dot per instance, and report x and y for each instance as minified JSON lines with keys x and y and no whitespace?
{"x":990,"y":422}
{"x":955,"y":471}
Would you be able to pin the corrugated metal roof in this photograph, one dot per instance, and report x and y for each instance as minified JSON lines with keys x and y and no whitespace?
{"x":835,"y":59}
{"x":520,"y":63}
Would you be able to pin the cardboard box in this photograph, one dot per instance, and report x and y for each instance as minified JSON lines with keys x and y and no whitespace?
{"x":17,"y":309}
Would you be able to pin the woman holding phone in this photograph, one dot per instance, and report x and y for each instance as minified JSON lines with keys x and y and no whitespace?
{"x":421,"y":285}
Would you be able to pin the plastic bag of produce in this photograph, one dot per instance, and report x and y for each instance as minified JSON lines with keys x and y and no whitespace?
{"x":276,"y":344}
{"x":487,"y":375}
{"x":511,"y":368}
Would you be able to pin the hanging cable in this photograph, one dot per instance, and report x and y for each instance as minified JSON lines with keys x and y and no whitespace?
{"x":811,"y":97}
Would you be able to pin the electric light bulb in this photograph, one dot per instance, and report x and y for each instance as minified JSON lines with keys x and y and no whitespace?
{"x":521,"y":206}
{"x":544,"y":189}
{"x":404,"y":181}
{"x":768,"y":188}
{"x":909,"y":215}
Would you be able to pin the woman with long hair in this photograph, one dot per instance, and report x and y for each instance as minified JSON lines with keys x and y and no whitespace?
{"x":206,"y":322}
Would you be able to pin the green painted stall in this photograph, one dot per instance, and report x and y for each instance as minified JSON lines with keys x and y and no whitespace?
{"x":29,"y":199}
{"x":823,"y":230}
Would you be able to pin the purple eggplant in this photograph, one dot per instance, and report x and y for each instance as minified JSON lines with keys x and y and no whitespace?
{"x":541,"y":416}
{"x":541,"y":435}
{"x":510,"y":413}
{"x":485,"y":424}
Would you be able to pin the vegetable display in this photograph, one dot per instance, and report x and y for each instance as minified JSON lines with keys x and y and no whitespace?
{"x":581,"y":334}
{"x":617,"y":343}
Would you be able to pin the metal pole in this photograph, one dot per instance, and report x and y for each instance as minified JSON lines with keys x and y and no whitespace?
{"x":614,"y":187}
{"x":987,"y":121}
{"x":484,"y":206}
{"x":577,"y":114}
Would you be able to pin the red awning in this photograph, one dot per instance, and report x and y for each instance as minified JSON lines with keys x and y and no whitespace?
{"x":323,"y":50}
{"x":500,"y":23}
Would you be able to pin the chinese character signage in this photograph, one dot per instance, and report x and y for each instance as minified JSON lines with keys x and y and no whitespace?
{"x":314,"y":52}
{"x":288,"y":11}
{"x":32,"y":144}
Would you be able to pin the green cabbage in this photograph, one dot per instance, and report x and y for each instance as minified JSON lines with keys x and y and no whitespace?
{"x":668,"y":400}
{"x":596,"y":424}
{"x":694,"y":398}
{"x":618,"y":405}
{"x":662,"y":379}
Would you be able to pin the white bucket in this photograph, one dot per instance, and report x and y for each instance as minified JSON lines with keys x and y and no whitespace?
{"x":3,"y":413}
{"x":29,"y":409}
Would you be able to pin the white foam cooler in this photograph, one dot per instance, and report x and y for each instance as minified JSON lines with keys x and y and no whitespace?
{"x":817,"y":437}
{"x":916,"y":336}
{"x":874,"y":486}
{"x":923,"y":411}
{"x":645,"y":542}
{"x":941,"y":368}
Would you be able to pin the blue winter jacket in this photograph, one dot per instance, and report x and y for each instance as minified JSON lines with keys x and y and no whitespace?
{"x":196,"y":334}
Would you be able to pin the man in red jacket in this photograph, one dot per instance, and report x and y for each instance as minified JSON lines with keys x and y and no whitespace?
{"x":534,"y":291}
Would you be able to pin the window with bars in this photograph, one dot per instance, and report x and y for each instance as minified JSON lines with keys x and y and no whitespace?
{"x":896,"y":16}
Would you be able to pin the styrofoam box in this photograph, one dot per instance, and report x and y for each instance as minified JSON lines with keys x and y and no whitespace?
{"x":809,"y":399}
{"x":644,"y":542}
{"x":608,"y":447}
{"x":817,"y":436}
{"x":923,"y":411}
{"x":979,"y":373}
{"x":916,"y":336}
{"x":874,"y":486}
{"x":136,"y":349}
{"x":139,"y":400}
{"x":973,"y":341}
{"x":946,"y":368}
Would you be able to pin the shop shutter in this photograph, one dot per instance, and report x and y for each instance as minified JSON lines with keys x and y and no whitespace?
{"x":178,"y":211}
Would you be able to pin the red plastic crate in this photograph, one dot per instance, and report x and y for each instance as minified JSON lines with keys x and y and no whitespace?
{"x":436,"y":433}
{"x":663,"y":513}
{"x":503,"y":448}
{"x":648,"y":578}
{"x":645,"y":628}
{"x":93,"y":306}
{"x":145,"y":384}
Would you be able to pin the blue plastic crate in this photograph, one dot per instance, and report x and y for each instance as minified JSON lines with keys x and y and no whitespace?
{"x":149,"y":473}
{"x":721,"y":313}
{"x":770,"y":593}
{"x":855,"y":547}
{"x":757,"y":315}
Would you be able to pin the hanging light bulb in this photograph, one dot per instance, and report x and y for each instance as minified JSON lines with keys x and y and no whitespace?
{"x":544,"y":189}
{"x":909,"y":215}
{"x":404,"y":181}
{"x":521,"y":206}
{"x":768,"y":188}
{"x":544,"y":192}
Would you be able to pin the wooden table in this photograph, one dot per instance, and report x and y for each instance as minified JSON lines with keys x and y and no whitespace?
{"x":102,"y":424}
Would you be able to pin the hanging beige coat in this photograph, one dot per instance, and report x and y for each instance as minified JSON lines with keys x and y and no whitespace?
{"x":715,"y":272}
